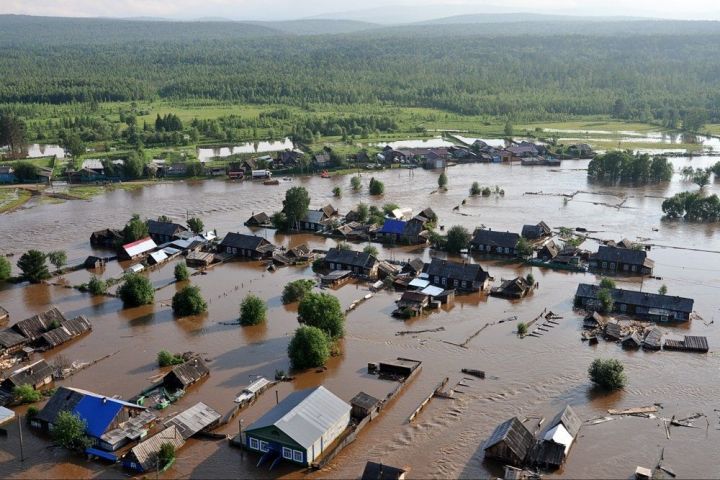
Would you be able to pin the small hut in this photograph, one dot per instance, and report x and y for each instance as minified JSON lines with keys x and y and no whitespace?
{"x":186,"y":374}
{"x":510,"y":442}
{"x":362,"y":405}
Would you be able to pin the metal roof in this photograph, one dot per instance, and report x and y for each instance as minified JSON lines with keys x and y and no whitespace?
{"x":432,"y":291}
{"x":558,"y":434}
{"x":642,"y":299}
{"x":146,"y":452}
{"x":418,"y":283}
{"x":495,"y":238}
{"x":6,"y":415}
{"x":393,"y":226}
{"x":158,"y":257}
{"x":30,"y":374}
{"x":194,"y":419}
{"x":305,"y":415}
{"x":139,"y":247}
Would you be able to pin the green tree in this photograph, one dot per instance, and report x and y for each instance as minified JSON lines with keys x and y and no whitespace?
{"x":181,"y":272}
{"x":166,"y":453}
{"x":475,"y":189}
{"x":135,"y":229}
{"x":33,"y":267}
{"x":165,"y":359}
{"x":309,"y":348}
{"x":337,"y":193}
{"x":25,"y":171}
{"x":442,"y":181}
{"x":134,"y":165}
{"x":295,"y":205}
{"x":363,"y":212}
{"x":524,"y":247}
{"x":458,"y":238}
{"x":323,"y":311}
{"x":663,"y":289}
{"x":530,"y":279}
{"x":58,"y":258}
{"x":136,"y":291}
{"x":69,"y":431}
{"x":253,"y":310}
{"x":695,"y":119}
{"x":96,"y":286}
{"x":25,"y":393}
{"x":701,"y":178}
{"x":606,"y":300}
{"x":389,"y":207}
{"x":356,"y":183}
{"x":376,"y":187}
{"x":279,"y":221}
{"x":608,"y":283}
{"x":196,"y":225}
{"x":608,"y":374}
{"x":13,"y":132}
{"x":188,"y":301}
{"x":296,"y":290}
{"x":5,"y":269}
{"x":522,"y":329}
{"x":371,"y":249}
{"x":74,"y":145}
{"x":508,"y":130}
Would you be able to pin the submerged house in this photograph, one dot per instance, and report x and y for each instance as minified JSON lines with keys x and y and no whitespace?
{"x":648,"y":306}
{"x":258,"y":220}
{"x":400,"y":231}
{"x":552,"y":450}
{"x":186,"y":374}
{"x":511,"y":442}
{"x":34,"y":327}
{"x":379,"y":471}
{"x":137,"y":248}
{"x":621,"y":260}
{"x":359,"y":263}
{"x":195,"y":419}
{"x":108,"y":237}
{"x":301,"y":427}
{"x":11,"y":342}
{"x":110,"y":423}
{"x":164,"y":232}
{"x":248,"y":246}
{"x":516,"y":288}
{"x":495,"y":242}
{"x":533,"y":232}
{"x":38,"y":375}
{"x":144,"y":457}
{"x":460,"y":276}
{"x":548,"y":252}
{"x":50,"y":329}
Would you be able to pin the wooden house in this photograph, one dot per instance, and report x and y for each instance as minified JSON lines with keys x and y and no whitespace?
{"x":137,"y":249}
{"x":555,"y":443}
{"x":548,"y":252}
{"x":195,"y":419}
{"x":534,"y":232}
{"x":380,"y":471}
{"x":186,"y":374}
{"x":258,"y":220}
{"x":4,"y":315}
{"x":67,"y":331}
{"x":400,"y":231}
{"x":199,"y":259}
{"x":144,"y":457}
{"x":164,"y":232}
{"x":360,"y":263}
{"x":459,"y":276}
{"x":301,"y":427}
{"x":643,"y":305}
{"x":38,"y":375}
{"x":613,"y":332}
{"x":34,"y":327}
{"x":108,"y":237}
{"x":363,"y":405}
{"x":248,"y":246}
{"x":621,"y":260}
{"x":510,"y":443}
{"x":11,"y":342}
{"x":495,"y":242}
{"x":516,"y":288}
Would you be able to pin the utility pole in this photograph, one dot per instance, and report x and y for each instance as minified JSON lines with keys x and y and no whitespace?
{"x":22,"y":454}
{"x":277,"y":397}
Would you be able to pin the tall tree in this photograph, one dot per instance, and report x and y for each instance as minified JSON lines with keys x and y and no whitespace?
{"x":13,"y":132}
{"x":295,"y":205}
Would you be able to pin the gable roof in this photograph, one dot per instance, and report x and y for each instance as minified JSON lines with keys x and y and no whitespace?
{"x":167,"y":229}
{"x":328,"y":210}
{"x":305,"y":415}
{"x":517,"y":437}
{"x":535,"y":231}
{"x":30,"y":374}
{"x":10,"y":338}
{"x":495,"y":238}
{"x":416,"y":265}
{"x":194,"y":419}
{"x":621,"y":255}
{"x":642,"y":299}
{"x":189,"y":372}
{"x":147,"y":451}
{"x":67,"y":331}
{"x":379,"y":471}
{"x":259,"y":218}
{"x":314,"y":216}
{"x":139,"y":247}
{"x":458,"y":271}
{"x":392,"y":226}
{"x":246,"y":242}
{"x":569,"y":419}
{"x":350,"y":257}
{"x":36,"y":325}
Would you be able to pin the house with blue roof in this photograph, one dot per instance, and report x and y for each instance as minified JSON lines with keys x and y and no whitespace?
{"x":401,"y":231}
{"x":109,"y":422}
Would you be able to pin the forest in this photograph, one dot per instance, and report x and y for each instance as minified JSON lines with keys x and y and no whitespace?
{"x":671,"y":78}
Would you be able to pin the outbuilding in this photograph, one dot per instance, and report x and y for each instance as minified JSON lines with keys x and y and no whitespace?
{"x":510,"y":442}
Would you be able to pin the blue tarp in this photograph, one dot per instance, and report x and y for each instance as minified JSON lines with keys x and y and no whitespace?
{"x":102,"y":454}
{"x":393,"y":226}
{"x":98,"y":413}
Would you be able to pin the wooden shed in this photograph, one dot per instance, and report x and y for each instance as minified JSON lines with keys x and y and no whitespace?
{"x":510,"y":442}
{"x":186,"y":374}
{"x":363,"y":404}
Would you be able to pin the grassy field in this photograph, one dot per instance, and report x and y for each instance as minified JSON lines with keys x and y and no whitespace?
{"x":13,"y":198}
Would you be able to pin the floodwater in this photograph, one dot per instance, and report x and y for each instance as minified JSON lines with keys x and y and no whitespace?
{"x":206,"y":154}
{"x":435,"y":142}
{"x":528,"y":377}
{"x":35,"y":150}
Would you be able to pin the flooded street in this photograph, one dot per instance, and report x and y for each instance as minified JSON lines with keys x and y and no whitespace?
{"x":526,"y":377}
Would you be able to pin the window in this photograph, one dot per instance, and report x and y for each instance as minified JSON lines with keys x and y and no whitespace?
{"x":264,"y":446}
{"x":287,"y":453}
{"x":444,"y":281}
{"x":612,"y":265}
{"x":254,"y":444}
{"x":297,"y":456}
{"x":604,"y":265}
{"x":623,"y":307}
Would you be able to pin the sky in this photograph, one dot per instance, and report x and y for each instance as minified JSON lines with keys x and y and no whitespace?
{"x":395,"y":11}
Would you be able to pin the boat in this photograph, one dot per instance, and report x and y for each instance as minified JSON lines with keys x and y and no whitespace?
{"x":252,"y":390}
{"x":324,"y":174}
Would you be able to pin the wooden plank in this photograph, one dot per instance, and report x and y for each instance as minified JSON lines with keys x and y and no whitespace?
{"x":633,"y":411}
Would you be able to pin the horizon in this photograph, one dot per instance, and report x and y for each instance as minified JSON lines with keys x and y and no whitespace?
{"x":373,"y":11}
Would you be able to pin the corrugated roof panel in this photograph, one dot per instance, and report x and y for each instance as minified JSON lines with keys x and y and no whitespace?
{"x":139,"y":247}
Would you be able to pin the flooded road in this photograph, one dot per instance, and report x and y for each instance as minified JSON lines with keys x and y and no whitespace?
{"x":528,"y":377}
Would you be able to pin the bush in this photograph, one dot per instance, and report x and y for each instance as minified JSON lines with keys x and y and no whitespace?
{"x":188,"y":301}
{"x":606,"y":301}
{"x":458,"y":239}
{"x":296,"y":290}
{"x":31,"y":412}
{"x":165,"y":359}
{"x":607,"y":283}
{"x":196,"y":225}
{"x":279,"y":221}
{"x":252,"y":310}
{"x":530,"y":279}
{"x":389,"y":207}
{"x":356,"y":183}
{"x":363,"y":211}
{"x":5,"y":269}
{"x":166,"y":453}
{"x":663,"y":289}
{"x":442,"y":181}
{"x":309,"y":348}
{"x":26,"y":394}
{"x":371,"y":250}
{"x":69,"y":431}
{"x":181,"y":272}
{"x":136,"y":290}
{"x":522,"y":328}
{"x":475,"y":189}
{"x":58,"y":258}
{"x":337,"y":192}
{"x":524,"y":247}
{"x":607,"y":374}
{"x":323,"y":311}
{"x":486,"y":192}
{"x":376,"y":187}
{"x":33,"y":267}
{"x":97,"y":286}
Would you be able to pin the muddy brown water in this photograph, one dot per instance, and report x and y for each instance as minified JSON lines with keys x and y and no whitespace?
{"x":529,"y":377}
